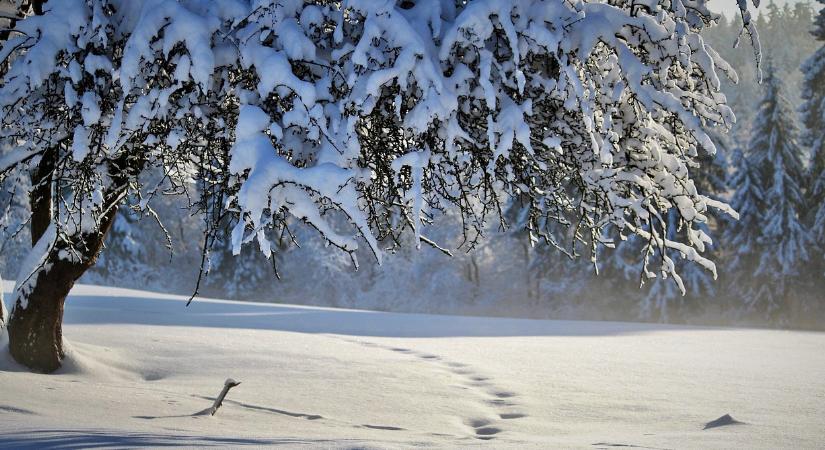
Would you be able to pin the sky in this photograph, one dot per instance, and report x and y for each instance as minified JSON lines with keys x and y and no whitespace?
{"x":729,"y":6}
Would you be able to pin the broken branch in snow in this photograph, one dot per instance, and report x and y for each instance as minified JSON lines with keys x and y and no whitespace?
{"x":227,"y":385}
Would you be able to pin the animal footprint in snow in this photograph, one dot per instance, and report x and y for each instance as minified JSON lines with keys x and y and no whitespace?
{"x":504,"y":394}
{"x":487,"y":431}
{"x":498,"y":402}
{"x":483,"y":428}
{"x":477,"y":423}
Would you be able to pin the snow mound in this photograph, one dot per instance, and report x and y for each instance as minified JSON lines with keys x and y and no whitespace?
{"x":723,"y":421}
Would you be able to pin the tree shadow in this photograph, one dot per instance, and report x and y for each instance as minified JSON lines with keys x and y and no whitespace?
{"x":296,"y":415}
{"x":83,"y":439}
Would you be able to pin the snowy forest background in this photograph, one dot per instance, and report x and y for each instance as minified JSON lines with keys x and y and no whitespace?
{"x":770,"y":263}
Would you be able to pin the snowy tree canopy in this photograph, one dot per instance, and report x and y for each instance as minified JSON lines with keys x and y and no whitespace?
{"x":380,"y":112}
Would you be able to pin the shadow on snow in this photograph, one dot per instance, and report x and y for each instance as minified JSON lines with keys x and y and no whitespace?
{"x":170,"y":311}
{"x":82,"y":439}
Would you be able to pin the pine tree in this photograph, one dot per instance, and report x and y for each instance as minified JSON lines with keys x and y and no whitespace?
{"x":783,"y":237}
{"x":813,"y":117}
{"x":743,"y":236}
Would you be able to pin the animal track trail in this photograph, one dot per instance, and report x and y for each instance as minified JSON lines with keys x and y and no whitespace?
{"x":501,"y":402}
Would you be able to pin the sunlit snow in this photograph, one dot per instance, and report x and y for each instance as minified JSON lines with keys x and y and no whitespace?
{"x":142,"y":365}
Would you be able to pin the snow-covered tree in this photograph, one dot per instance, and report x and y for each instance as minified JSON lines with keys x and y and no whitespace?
{"x":378,"y":114}
{"x":665,"y":301}
{"x":743,"y":236}
{"x":663,"y":292}
{"x":783,"y":237}
{"x":813,"y":117}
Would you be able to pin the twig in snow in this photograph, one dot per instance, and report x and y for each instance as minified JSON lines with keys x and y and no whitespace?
{"x":227,"y":385}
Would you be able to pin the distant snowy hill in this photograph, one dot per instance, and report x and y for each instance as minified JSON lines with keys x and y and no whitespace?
{"x":142,"y":365}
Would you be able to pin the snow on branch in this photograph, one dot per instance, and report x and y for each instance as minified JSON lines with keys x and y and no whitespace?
{"x":319,"y":111}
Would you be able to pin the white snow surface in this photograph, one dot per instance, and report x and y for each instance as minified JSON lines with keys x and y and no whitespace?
{"x":142,"y":365}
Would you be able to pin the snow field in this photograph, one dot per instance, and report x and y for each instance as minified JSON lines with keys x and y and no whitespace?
{"x":142,"y":366}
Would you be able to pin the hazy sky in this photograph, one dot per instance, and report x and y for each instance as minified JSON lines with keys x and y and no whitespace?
{"x":729,"y":6}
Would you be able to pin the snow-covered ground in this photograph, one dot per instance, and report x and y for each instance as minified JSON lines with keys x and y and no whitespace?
{"x":142,"y":366}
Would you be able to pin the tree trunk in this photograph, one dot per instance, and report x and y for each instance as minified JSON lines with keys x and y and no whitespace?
{"x":35,"y":332}
{"x":35,"y":322}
